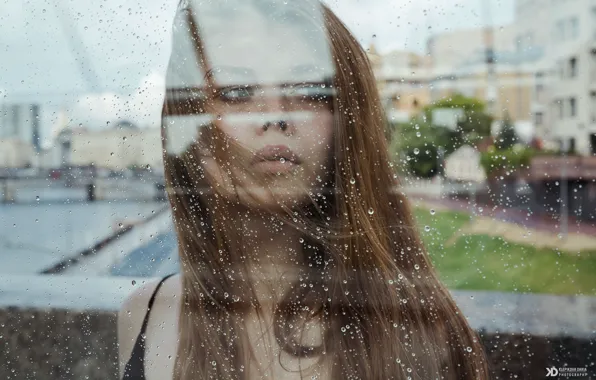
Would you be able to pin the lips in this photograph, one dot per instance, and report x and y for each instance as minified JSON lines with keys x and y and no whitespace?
{"x":276,"y":153}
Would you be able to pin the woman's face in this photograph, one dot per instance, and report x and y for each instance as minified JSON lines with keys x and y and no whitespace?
{"x":269,"y":95}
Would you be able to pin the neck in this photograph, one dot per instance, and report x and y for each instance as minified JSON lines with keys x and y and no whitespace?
{"x":268,"y":240}
{"x":273,"y":251}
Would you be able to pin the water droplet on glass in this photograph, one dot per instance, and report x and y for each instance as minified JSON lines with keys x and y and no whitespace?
{"x":134,"y":282}
{"x":416,"y":151}
{"x":432,"y":212}
{"x":371,"y":211}
{"x":352,"y":181}
{"x":427,"y":228}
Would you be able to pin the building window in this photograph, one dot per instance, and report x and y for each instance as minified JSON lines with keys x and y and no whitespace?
{"x":593,"y":64}
{"x":538,"y":118}
{"x":572,"y":107}
{"x":573,"y":67}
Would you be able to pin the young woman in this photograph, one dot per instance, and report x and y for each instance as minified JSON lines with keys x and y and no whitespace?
{"x":299,"y":257}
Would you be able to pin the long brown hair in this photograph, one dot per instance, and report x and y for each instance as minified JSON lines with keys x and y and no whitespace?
{"x":368,"y":278}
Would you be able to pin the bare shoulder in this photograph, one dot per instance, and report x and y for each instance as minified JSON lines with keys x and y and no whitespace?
{"x":133,"y":310}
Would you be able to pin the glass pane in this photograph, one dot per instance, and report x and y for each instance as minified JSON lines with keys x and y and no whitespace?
{"x":272,"y":189}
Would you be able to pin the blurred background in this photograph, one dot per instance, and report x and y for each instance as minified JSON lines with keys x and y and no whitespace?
{"x":491,"y":114}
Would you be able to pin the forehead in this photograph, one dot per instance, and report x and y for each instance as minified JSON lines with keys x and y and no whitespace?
{"x":245,"y":42}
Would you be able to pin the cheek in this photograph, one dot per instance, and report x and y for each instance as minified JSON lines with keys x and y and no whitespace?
{"x":319,"y":140}
{"x":235,"y":132}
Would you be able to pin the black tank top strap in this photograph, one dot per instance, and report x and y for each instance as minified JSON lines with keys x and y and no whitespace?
{"x":150,"y":305}
{"x":135,"y":367}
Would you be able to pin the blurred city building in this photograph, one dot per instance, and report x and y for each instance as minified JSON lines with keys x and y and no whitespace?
{"x":564,"y":96}
{"x":117,"y":148}
{"x":19,"y":134}
{"x":544,"y":66}
{"x":403,"y":78}
{"x":459,"y":65}
{"x":15,"y":153}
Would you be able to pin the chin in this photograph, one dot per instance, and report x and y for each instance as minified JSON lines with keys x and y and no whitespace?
{"x":273,"y":199}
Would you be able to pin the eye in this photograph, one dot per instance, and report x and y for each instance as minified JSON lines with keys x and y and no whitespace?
{"x":308,"y":91}
{"x":236,"y":94}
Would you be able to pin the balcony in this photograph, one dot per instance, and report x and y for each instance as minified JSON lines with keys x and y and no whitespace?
{"x":548,"y":168}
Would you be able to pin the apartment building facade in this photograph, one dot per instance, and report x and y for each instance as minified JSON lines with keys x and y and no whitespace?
{"x":459,"y":65}
{"x":564,"y":92}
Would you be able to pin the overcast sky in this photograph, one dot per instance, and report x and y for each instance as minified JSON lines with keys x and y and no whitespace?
{"x":100,"y":61}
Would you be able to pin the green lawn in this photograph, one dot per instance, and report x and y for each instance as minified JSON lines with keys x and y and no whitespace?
{"x":481,"y":262}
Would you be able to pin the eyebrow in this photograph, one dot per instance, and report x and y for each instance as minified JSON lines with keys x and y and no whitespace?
{"x":242,"y":71}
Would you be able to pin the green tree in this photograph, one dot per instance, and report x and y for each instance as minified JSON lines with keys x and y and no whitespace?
{"x":507,"y":136}
{"x":418,"y":141}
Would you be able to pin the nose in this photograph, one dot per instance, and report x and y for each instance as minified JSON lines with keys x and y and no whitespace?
{"x":274,"y":113}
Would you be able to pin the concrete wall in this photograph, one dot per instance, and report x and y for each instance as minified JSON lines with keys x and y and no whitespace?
{"x":64,"y":327}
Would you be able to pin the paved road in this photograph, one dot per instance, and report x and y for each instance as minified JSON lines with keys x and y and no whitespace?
{"x":156,"y":258}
